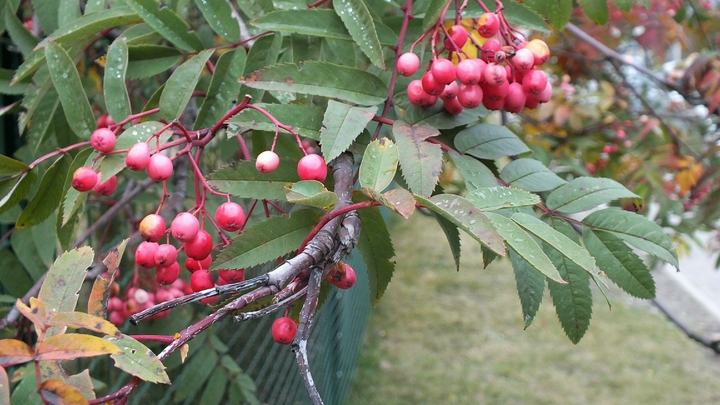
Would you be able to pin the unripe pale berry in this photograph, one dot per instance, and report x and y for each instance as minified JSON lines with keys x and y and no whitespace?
{"x":540,"y":51}
{"x":103,"y":140}
{"x":200,"y":246}
{"x":284,"y":330}
{"x":408,"y":63}
{"x":152,"y":227}
{"x":488,"y":25}
{"x":443,"y":71}
{"x":432,"y":86}
{"x":84,"y":179}
{"x":167,"y":275}
{"x":469,"y":71}
{"x":145,"y":254}
{"x":138,"y":157}
{"x":184,"y":227}
{"x":515,"y":99}
{"x":267,"y":161}
{"x":159,"y":167}
{"x":470,"y":96}
{"x":108,"y":187}
{"x":195,"y":265}
{"x":232,"y":276}
{"x":453,"y":106}
{"x":201,"y":280}
{"x":166,"y":255}
{"x":450,"y":91}
{"x":230,"y":216}
{"x":312,"y":167}
{"x":141,"y":296}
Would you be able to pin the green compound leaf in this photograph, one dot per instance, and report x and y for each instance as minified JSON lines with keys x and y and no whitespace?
{"x":341,"y":125}
{"x":420,"y":161}
{"x":312,"y":193}
{"x":620,"y":263}
{"x":180,"y":86}
{"x":223,"y":88}
{"x":167,"y":23}
{"x":489,"y":141}
{"x":525,"y":246}
{"x":379,"y":164}
{"x":531,"y":175}
{"x":463,"y":214}
{"x":245,"y":181}
{"x":636,"y":230}
{"x":117,"y":100}
{"x":452,"y":233}
{"x":584,"y":193}
{"x":358,"y":21}
{"x":149,"y":60}
{"x":136,"y":359}
{"x":377,"y":250}
{"x":595,"y":10}
{"x":435,"y":115}
{"x":433,"y":12}
{"x":306,"y":121}
{"x":48,"y":195}
{"x":14,"y":189}
{"x":530,"y":285}
{"x":474,"y":172}
{"x":67,"y":82}
{"x":313,"y":22}
{"x":219,"y":15}
{"x":320,"y":79}
{"x":519,"y":14}
{"x":10,"y":166}
{"x":197,"y":371}
{"x":267,"y":240}
{"x":495,"y":198}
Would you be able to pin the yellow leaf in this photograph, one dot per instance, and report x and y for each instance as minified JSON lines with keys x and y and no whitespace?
{"x":56,"y":392}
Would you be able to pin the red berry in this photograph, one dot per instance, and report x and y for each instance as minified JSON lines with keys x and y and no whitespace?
{"x":152,"y":227}
{"x":103,"y":140}
{"x":469,"y":71}
{"x":534,"y":82}
{"x":209,"y":300}
{"x":84,"y":179}
{"x":201,"y":280}
{"x":523,"y":60}
{"x":545,"y":95}
{"x":488,"y":25}
{"x":495,"y":92}
{"x":167,"y":275}
{"x":195,"y":265}
{"x":163,"y":295}
{"x":107,"y":188}
{"x":200,"y":246}
{"x":114,"y":304}
{"x":453,"y":106}
{"x":495,"y":74}
{"x":540,"y":51}
{"x":232,"y":276}
{"x":432,"y":86}
{"x":166,"y":255}
{"x":312,"y":167}
{"x":489,"y":48}
{"x":470,"y":96}
{"x":620,"y":134}
{"x":343,"y":276}
{"x":184,"y":227}
{"x":531,"y":102}
{"x":408,"y":63}
{"x":230,"y":216}
{"x":284,"y":330}
{"x":267,"y":161}
{"x":159,"y":167}
{"x":145,"y":254}
{"x":450,"y":91}
{"x":138,"y":157}
{"x":443,"y":71}
{"x":493,"y":104}
{"x":515,"y":99}
{"x":105,"y":121}
{"x":416,"y":94}
{"x":116,"y":318}
{"x":458,"y":35}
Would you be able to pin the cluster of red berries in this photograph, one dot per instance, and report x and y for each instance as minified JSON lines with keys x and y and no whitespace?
{"x":504,"y":77}
{"x":310,"y":167}
{"x":138,"y":299}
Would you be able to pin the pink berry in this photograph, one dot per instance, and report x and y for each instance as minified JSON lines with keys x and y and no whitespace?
{"x":453,"y":106}
{"x":138,"y":157}
{"x":163,"y":295}
{"x":450,"y":91}
{"x":470,"y":96}
{"x":493,"y":104}
{"x":141,"y":296}
{"x":416,"y":93}
{"x":84,"y":179}
{"x":495,"y":92}
{"x":458,"y":35}
{"x":194,"y":265}
{"x":488,"y":25}
{"x":343,"y":276}
{"x":515,"y":99}
{"x":523,"y":60}
{"x":160,"y":167}
{"x":200,"y":246}
{"x":107,"y":188}
{"x":284,"y":330}
{"x":432,"y":86}
{"x":114,"y":304}
{"x":534,"y":82}
{"x":443,"y":71}
{"x":545,"y":95}
{"x":408,"y":63}
{"x":489,"y":48}
{"x":116,"y":318}
{"x":166,"y":255}
{"x":104,"y":121}
{"x":201,"y":280}
{"x":312,"y":167}
{"x":184,"y":227}
{"x":103,"y":140}
{"x":145,"y":254}
{"x":230,"y":216}
{"x":267,"y":162}
{"x":495,"y":74}
{"x":209,"y":300}
{"x":152,"y":227}
{"x":469,"y":71}
{"x":167,"y":275}
{"x":232,"y":276}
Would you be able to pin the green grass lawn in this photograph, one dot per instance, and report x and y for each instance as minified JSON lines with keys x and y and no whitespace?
{"x":446,"y":337}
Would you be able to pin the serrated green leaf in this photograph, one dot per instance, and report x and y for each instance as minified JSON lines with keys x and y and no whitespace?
{"x":595,"y":10}
{"x":359,"y":23}
{"x":436,"y":116}
{"x":420,"y":160}
{"x":584,"y":193}
{"x":264,"y":53}
{"x":312,"y":22}
{"x":530,"y":285}
{"x":342,"y":123}
{"x":14,"y":189}
{"x":60,"y":289}
{"x":489,"y":141}
{"x":219,"y":15}
{"x":47,"y":14}
{"x":624,"y":5}
{"x":636,"y":230}
{"x":320,"y":79}
{"x":117,"y":100}
{"x":379,"y":163}
{"x":6,"y":76}
{"x":557,"y":240}
{"x":474,"y":172}
{"x":559,"y":12}
{"x":48,"y":195}
{"x":266,"y":240}
{"x":168,"y":23}
{"x":32,"y":246}
{"x":197,"y":371}
{"x":68,"y":11}
{"x":304,"y":120}
{"x":45,"y":116}
{"x":180,"y":86}
{"x":223,"y":88}
{"x":620,"y":263}
{"x":525,"y":246}
{"x":463,"y":214}
{"x":519,"y":14}
{"x":215,"y":389}
{"x":25,"y":393}
{"x":92,"y":6}
{"x":245,"y":181}
{"x":149,"y":60}
{"x":433,"y":12}
{"x":15,"y":280}
{"x":10,"y":166}
{"x":21,"y":36}
{"x":136,"y":359}
{"x":312,"y":193}
{"x":453,"y":237}
{"x":531,"y":175}
{"x":67,"y":82}
{"x":376,"y":248}
{"x":495,"y":198}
